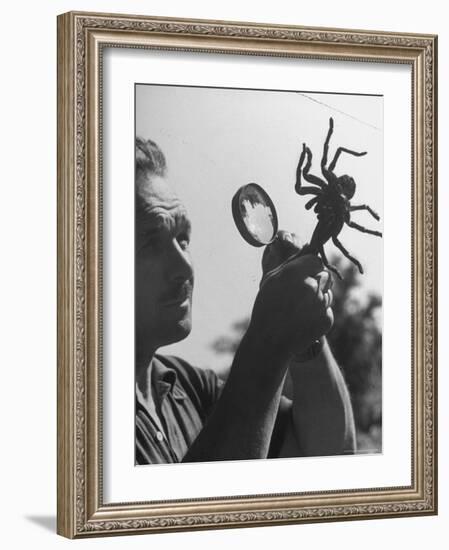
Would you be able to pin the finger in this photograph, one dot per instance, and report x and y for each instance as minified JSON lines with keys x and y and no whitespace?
{"x":329,"y":320}
{"x":331,"y":297}
{"x":283,"y":235}
{"x":330,"y":282}
{"x":328,"y":298}
{"x":299,"y":243}
{"x":289,"y":236}
{"x":289,"y":241}
{"x":323,"y":281}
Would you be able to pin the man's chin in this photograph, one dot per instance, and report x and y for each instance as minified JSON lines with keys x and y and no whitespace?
{"x":177,"y":331}
{"x":184,"y":328}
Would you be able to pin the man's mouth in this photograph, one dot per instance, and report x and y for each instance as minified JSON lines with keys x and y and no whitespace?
{"x":178,"y":296}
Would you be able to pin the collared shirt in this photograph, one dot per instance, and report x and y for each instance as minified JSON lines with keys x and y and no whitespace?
{"x":184,"y":398}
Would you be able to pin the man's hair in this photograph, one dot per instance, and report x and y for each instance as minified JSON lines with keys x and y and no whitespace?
{"x":149,"y":158}
{"x":150,"y":161}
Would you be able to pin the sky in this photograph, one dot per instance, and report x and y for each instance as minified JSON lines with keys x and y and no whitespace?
{"x":215,"y":140}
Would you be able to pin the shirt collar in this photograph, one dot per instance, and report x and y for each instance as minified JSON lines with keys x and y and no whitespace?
{"x":165,"y":380}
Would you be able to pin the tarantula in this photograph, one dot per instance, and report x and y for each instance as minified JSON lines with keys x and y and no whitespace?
{"x":331,"y":200}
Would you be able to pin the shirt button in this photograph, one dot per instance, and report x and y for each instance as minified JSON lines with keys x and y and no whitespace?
{"x":159,"y":436}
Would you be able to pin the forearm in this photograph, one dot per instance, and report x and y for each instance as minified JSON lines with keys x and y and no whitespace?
{"x":241,"y":424}
{"x":322,"y":416}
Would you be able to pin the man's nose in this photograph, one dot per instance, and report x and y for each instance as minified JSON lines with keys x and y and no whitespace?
{"x":180,"y":263}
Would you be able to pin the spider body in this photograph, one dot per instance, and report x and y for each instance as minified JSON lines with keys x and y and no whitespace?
{"x":331,"y":212}
{"x":331,"y":201}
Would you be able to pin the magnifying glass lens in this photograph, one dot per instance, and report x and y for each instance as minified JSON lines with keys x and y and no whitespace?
{"x":255,"y":215}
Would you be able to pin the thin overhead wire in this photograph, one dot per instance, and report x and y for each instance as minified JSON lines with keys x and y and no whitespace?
{"x":339,"y":111}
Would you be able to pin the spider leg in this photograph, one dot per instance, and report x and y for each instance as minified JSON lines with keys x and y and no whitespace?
{"x":343,"y":150}
{"x":365,"y":207}
{"x":363,"y":229}
{"x":338,"y":244}
{"x":311,"y":203}
{"x":308,"y":190}
{"x":299,"y":168}
{"x":324,"y":170}
{"x":310,"y":177}
{"x":327,"y":264}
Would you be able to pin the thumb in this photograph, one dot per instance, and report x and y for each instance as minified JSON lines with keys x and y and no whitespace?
{"x":280,"y":249}
{"x":289,"y":242}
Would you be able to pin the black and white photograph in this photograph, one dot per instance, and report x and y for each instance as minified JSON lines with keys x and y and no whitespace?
{"x":247,"y":283}
{"x":258,"y":272}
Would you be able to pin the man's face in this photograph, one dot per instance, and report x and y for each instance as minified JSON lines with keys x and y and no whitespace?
{"x":164,"y":274}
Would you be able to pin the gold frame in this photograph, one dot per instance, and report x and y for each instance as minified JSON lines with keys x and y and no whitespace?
{"x":81,"y":37}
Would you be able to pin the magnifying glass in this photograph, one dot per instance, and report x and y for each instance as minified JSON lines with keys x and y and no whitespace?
{"x":257,"y":221}
{"x":255,"y":215}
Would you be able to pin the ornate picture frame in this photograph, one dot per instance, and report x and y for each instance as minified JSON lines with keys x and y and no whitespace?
{"x":82,"y":40}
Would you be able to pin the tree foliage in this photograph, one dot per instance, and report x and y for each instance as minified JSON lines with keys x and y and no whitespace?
{"x":356,"y":342}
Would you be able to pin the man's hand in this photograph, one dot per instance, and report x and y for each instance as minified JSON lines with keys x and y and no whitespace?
{"x":292,"y":309}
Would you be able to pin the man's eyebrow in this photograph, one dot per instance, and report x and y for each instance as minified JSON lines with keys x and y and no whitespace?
{"x":159,"y":224}
{"x":180,"y":221}
{"x":183,"y":221}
